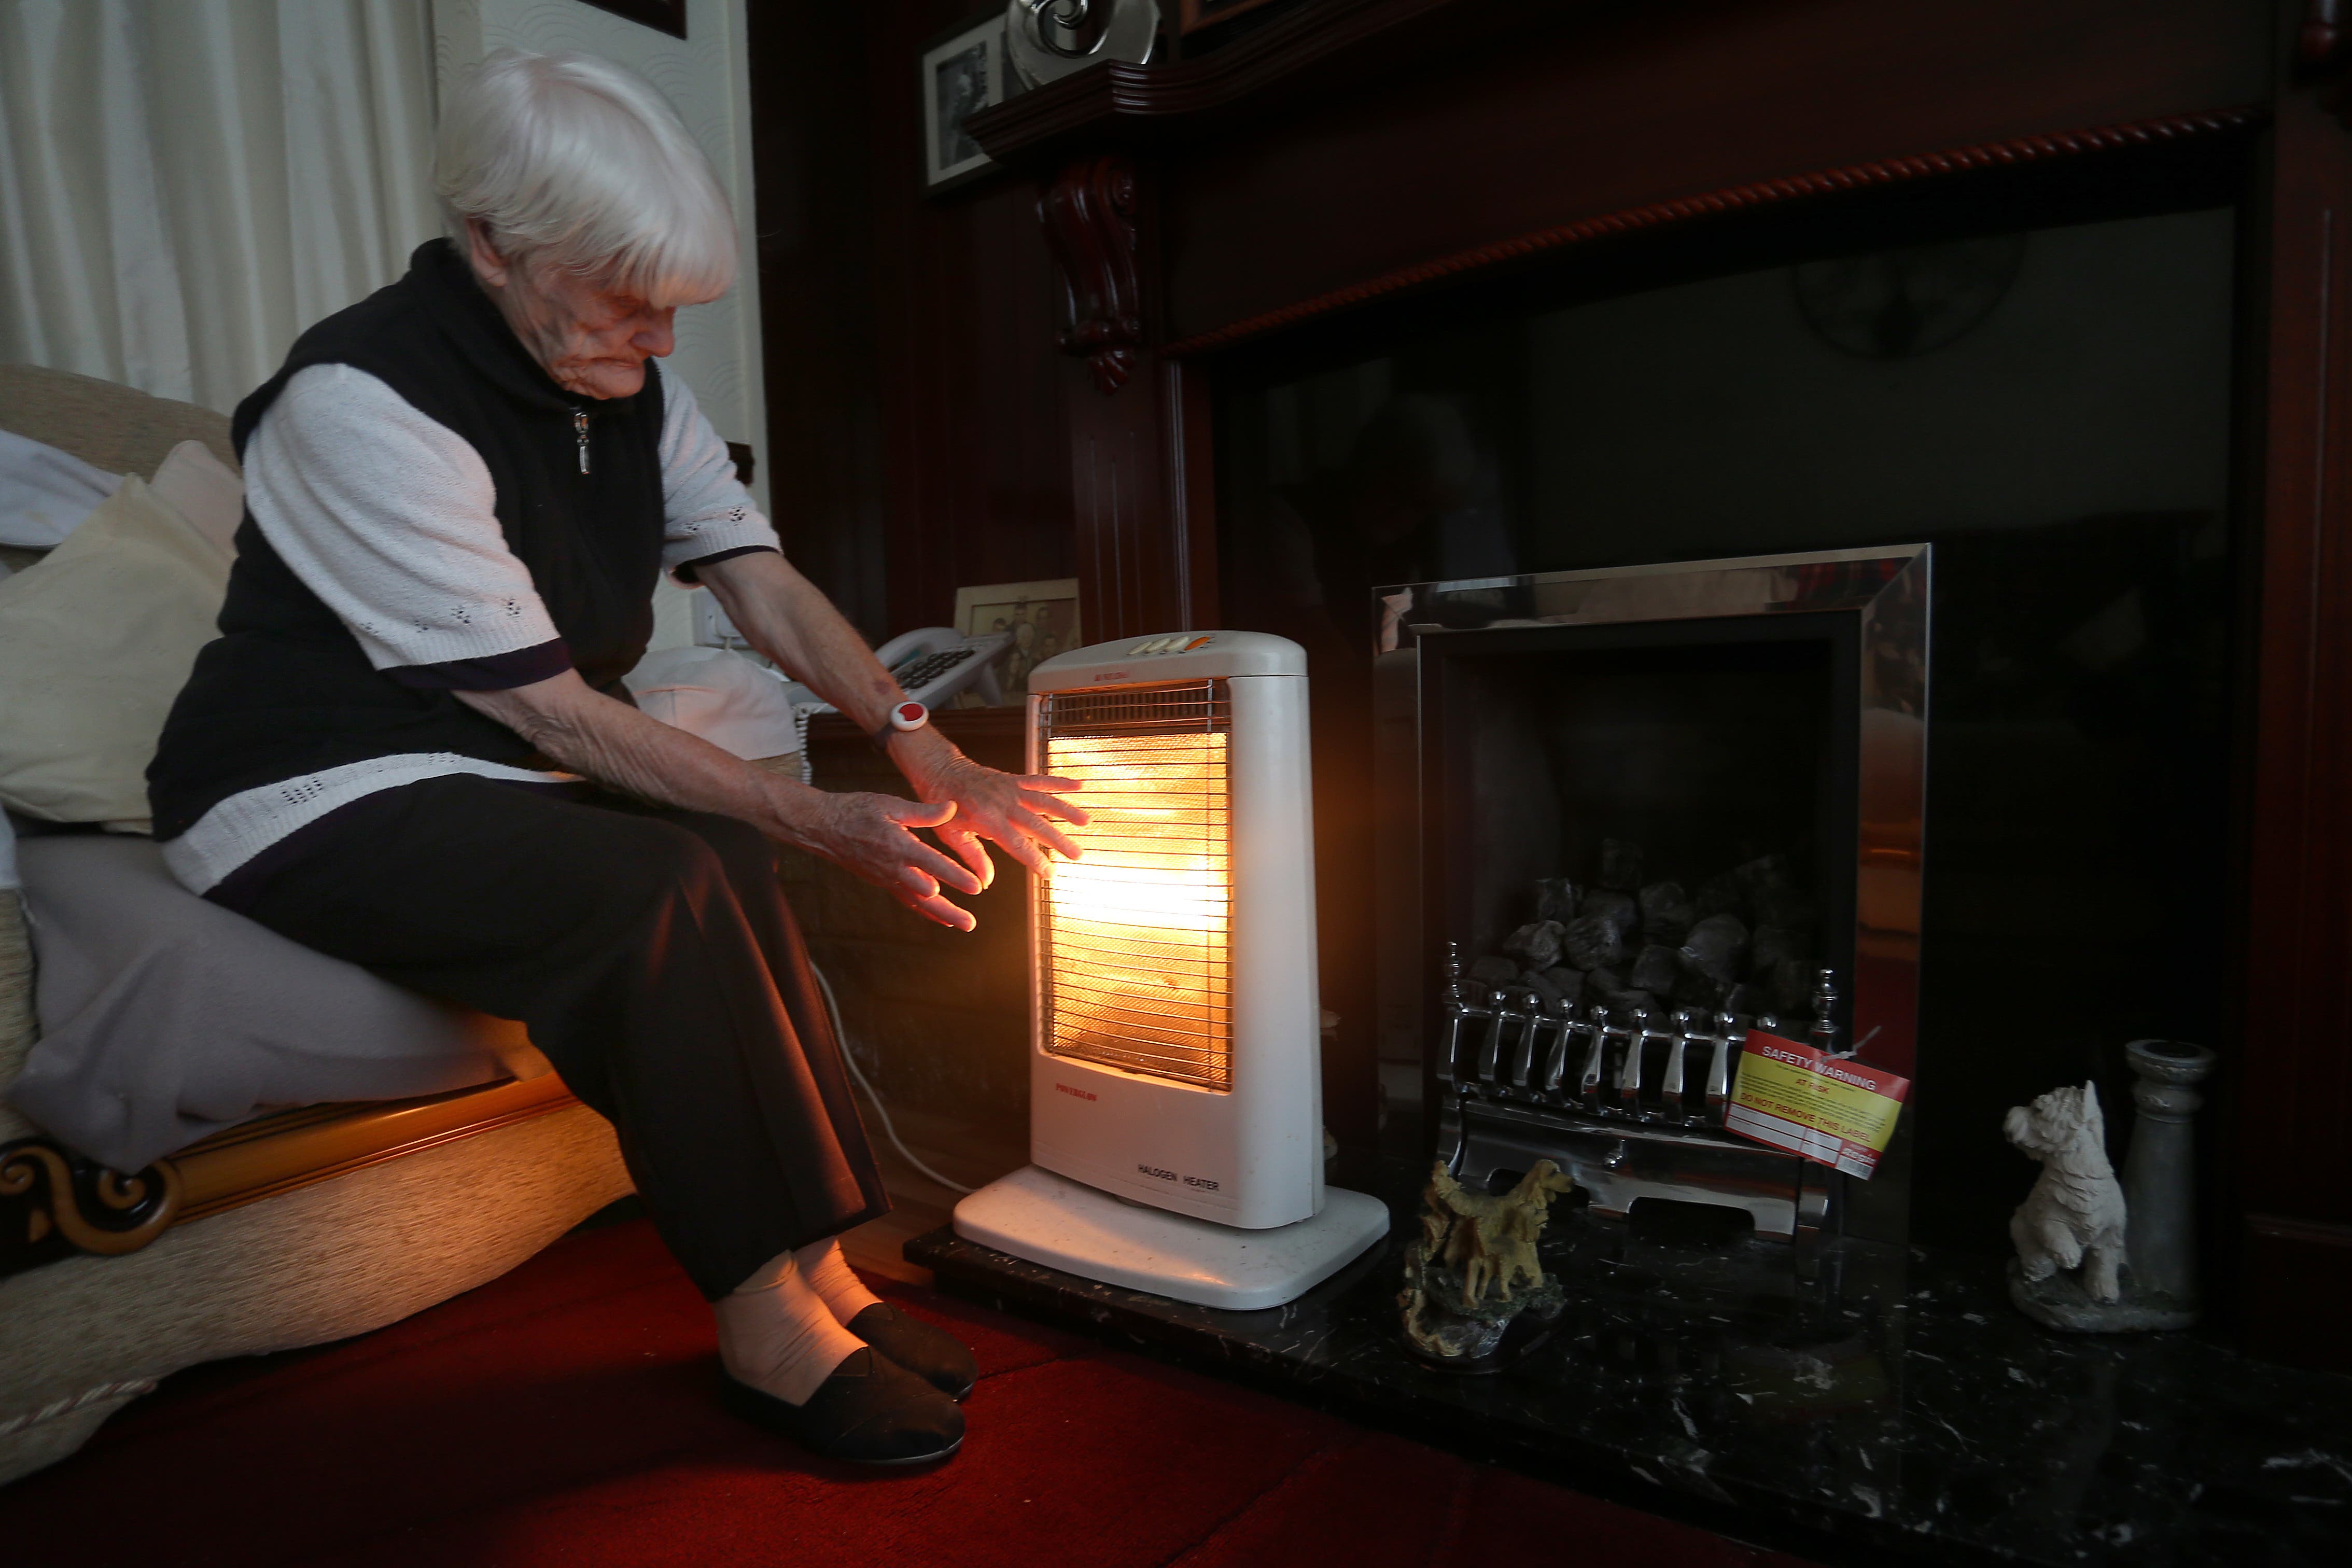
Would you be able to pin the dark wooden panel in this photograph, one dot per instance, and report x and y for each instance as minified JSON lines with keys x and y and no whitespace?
{"x":2290,"y":1151}
{"x":1130,"y":551}
{"x":1193,"y":487}
{"x":1621,"y":111}
{"x":915,"y":423}
{"x":975,"y":456}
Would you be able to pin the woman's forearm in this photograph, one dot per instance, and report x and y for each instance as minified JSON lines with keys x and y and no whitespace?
{"x":584,"y":732}
{"x":784,"y":615}
{"x":611,"y":742}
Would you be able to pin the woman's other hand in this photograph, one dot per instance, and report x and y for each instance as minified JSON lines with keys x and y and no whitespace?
{"x":872,"y":836}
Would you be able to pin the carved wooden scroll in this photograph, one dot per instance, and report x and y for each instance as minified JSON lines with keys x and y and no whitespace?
{"x":1090,"y":216}
{"x":54,"y":1202}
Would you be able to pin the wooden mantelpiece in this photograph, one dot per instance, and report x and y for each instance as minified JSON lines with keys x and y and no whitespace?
{"x":1318,"y":50}
{"x":1354,"y":152}
{"x":1338,"y":146}
{"x":1357,"y":149}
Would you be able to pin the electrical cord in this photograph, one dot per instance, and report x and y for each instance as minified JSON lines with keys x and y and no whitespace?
{"x":832,"y":1009}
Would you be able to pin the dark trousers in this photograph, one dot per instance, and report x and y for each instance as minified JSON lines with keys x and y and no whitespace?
{"x":651,"y":955}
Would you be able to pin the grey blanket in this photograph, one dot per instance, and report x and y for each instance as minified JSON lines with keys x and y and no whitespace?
{"x":165,"y":1017}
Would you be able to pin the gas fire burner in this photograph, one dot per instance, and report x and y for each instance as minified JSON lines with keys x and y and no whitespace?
{"x":1630,"y":1105}
{"x":1757,"y":723}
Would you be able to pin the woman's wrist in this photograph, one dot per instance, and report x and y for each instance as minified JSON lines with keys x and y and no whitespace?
{"x":790,"y":810}
{"x":922,"y":755}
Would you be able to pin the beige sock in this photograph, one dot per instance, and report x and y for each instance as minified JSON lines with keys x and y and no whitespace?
{"x":778,"y":1335}
{"x":827,"y":1272}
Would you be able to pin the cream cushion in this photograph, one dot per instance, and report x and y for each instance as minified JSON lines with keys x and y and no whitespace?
{"x":203,"y":489}
{"x":95,"y":643}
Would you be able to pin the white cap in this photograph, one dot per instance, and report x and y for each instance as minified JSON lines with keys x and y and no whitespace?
{"x":718,"y":695}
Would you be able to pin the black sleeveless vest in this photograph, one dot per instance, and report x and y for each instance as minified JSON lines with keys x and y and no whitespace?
{"x":286,"y":690}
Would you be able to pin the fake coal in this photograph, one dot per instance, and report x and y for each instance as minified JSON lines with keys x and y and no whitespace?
{"x":1717,"y":948}
{"x":1591,"y":942}
{"x":1655,"y":969}
{"x":1555,"y":899}
{"x":1744,"y":939}
{"x":1667,"y":913}
{"x":1535,"y":946}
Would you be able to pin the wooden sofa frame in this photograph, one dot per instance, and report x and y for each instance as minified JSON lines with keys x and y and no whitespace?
{"x":55,"y":1203}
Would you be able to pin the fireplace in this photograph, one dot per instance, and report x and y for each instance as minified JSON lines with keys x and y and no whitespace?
{"x":2060,"y":445}
{"x":1656,"y":807}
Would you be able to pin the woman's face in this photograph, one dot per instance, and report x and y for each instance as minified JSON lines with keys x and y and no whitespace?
{"x":591,"y":339}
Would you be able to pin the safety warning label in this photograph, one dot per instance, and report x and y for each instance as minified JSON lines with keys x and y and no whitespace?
{"x":1830,"y":1109}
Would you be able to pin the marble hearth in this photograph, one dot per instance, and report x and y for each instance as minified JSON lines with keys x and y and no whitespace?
{"x":1865,"y":1403}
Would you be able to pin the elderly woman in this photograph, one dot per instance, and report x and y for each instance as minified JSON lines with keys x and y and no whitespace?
{"x":410,"y":747}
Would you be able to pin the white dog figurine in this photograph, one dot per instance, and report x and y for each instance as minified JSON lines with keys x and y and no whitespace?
{"x":2074,"y":1217}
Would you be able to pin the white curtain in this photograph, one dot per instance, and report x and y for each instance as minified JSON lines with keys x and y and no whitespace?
{"x":187,"y":184}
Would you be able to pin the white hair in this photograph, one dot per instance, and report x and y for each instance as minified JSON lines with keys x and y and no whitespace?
{"x":572,"y":160}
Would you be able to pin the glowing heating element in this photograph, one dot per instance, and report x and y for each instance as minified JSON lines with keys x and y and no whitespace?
{"x":1135,"y":936}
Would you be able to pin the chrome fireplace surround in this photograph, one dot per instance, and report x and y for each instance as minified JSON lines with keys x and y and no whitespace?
{"x":1716,"y":702}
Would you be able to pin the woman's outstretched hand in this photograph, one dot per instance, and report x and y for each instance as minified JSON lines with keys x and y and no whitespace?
{"x":1014,"y":810}
{"x":872,"y":836}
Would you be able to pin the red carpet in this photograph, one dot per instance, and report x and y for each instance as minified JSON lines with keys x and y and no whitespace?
{"x":564,"y":1414}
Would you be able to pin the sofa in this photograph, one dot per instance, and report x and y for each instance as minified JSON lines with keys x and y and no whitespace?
{"x":222,"y":1213}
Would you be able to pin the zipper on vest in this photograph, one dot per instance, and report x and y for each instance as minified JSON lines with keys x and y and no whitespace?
{"x":580,"y":429}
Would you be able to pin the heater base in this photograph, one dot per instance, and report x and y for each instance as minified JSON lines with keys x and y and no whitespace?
{"x":1041,"y":1217}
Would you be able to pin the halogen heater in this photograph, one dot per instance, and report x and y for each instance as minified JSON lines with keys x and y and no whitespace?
{"x":1175,"y":1090}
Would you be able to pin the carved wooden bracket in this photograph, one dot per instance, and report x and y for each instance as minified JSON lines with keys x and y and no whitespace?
{"x":1090,"y":216}
{"x":54,"y":1203}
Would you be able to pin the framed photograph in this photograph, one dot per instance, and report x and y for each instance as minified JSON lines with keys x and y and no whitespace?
{"x":664,"y":15}
{"x":962,"y":72}
{"x":1041,"y":616}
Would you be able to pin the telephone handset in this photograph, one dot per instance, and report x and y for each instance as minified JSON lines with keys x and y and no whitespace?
{"x":931,"y":664}
{"x":934,"y":663}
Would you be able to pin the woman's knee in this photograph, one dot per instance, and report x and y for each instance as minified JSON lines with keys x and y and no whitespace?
{"x":747,"y":855}
{"x":666,"y":860}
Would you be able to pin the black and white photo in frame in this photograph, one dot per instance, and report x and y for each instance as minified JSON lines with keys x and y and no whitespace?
{"x":962,"y":73}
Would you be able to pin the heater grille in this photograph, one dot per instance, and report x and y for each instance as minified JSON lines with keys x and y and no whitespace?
{"x":1134,"y":938}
